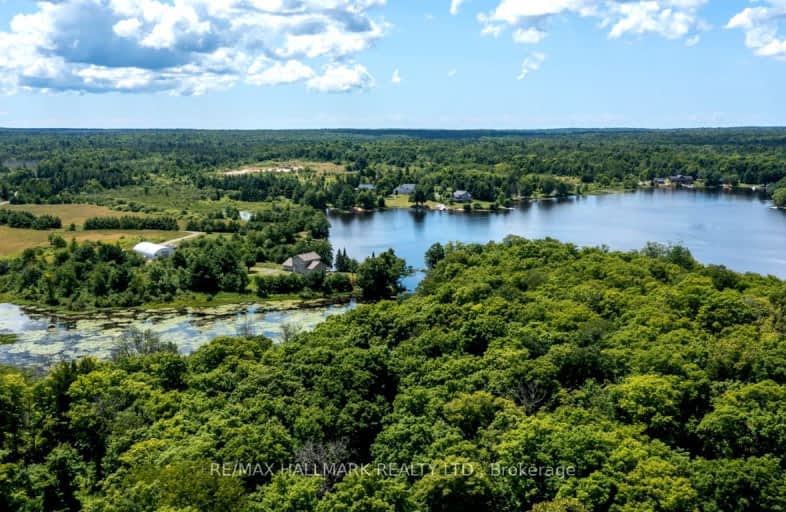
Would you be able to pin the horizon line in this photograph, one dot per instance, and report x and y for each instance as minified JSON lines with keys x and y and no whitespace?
{"x":398,"y":129}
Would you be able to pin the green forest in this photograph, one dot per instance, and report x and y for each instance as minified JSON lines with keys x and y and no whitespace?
{"x":56,"y":166}
{"x":525,"y":375}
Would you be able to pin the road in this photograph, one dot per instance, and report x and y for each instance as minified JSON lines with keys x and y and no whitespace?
{"x":191,"y":234}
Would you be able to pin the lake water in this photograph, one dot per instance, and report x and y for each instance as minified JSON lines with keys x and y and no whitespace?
{"x":42,"y":340}
{"x":738,"y":230}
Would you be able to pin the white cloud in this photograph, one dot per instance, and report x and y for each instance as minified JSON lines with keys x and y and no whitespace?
{"x":761,"y":27}
{"x":396,"y":78}
{"x":127,"y":28}
{"x":455,"y":5}
{"x":671,"y":19}
{"x":531,"y":63}
{"x":341,"y":78}
{"x":181,"y":46}
{"x":452,"y":73}
{"x":693,"y":41}
{"x":529,"y":20}
{"x":279,"y":73}
{"x":529,"y":35}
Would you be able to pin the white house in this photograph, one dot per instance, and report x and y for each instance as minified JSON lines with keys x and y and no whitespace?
{"x":153,"y":251}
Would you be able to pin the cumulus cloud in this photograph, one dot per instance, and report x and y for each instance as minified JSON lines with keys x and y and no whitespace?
{"x":279,"y":73}
{"x":341,"y":78}
{"x":531,"y":63}
{"x":529,"y":20}
{"x":761,"y":27}
{"x":396,"y":78}
{"x":672,"y":19}
{"x":183,"y":46}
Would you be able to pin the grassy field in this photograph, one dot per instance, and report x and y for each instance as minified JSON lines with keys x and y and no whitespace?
{"x":173,"y":199}
{"x":398,"y":201}
{"x":68,"y":213}
{"x":14,"y":241}
{"x":267,"y":269}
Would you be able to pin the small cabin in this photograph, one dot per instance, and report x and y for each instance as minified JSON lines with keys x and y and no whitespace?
{"x":152,"y":251}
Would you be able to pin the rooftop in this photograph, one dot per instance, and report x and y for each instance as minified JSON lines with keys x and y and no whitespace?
{"x":309,"y":256}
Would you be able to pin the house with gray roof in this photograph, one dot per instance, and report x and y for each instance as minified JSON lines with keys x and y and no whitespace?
{"x":305,"y":263}
{"x":405,"y":189}
{"x":462,"y":196}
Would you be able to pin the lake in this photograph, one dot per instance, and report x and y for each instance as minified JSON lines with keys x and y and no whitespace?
{"x":738,"y":230}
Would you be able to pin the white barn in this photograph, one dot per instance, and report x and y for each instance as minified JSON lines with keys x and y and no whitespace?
{"x":153,"y":251}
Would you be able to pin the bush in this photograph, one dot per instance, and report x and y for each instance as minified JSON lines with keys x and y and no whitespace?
{"x":279,"y":284}
{"x":337,"y":283}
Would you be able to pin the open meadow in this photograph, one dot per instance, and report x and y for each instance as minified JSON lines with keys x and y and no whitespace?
{"x":69,"y":213}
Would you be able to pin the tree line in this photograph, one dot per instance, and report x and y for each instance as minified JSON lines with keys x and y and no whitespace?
{"x":27,"y":220}
{"x":131,"y":222}
{"x":63,"y":166}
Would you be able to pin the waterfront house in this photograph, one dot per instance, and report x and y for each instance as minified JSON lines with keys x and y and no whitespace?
{"x":153,"y":251}
{"x":462,"y":196}
{"x":657,"y":182}
{"x":679,"y":179}
{"x":405,"y":189}
{"x":305,"y":263}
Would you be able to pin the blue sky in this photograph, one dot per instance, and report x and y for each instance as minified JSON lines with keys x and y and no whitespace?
{"x":331,"y":63}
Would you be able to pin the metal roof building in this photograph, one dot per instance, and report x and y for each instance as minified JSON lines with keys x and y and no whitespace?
{"x":153,"y":251}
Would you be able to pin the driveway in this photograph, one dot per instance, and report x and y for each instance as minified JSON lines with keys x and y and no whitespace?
{"x":191,"y":234}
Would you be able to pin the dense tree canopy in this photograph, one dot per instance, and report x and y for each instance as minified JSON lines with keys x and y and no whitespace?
{"x":527,"y":375}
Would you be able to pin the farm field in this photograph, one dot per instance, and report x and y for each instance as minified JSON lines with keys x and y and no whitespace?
{"x":68,"y":213}
{"x":14,"y":241}
{"x":171,"y":199}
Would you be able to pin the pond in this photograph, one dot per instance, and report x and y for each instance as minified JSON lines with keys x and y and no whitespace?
{"x":738,"y":230}
{"x":41,"y":340}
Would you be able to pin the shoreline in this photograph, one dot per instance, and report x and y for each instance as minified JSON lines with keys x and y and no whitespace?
{"x":435,"y":206}
{"x":217,"y":311}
